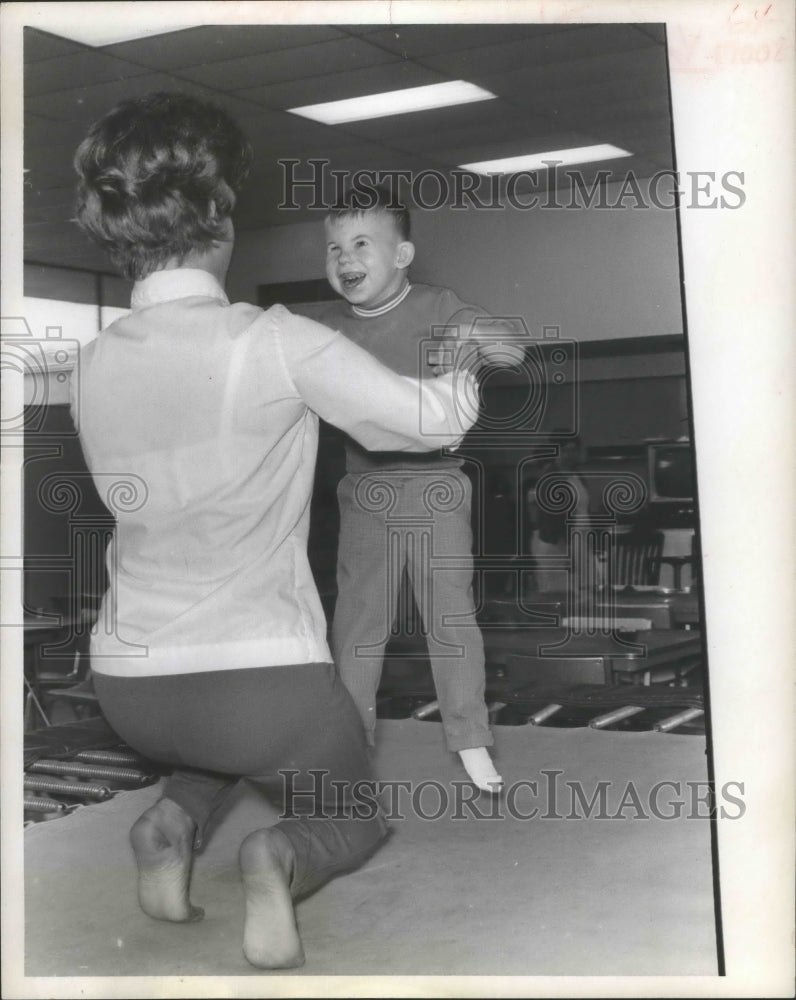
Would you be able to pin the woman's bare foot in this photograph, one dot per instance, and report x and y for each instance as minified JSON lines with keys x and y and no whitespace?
{"x":481,"y":770}
{"x":270,"y":935}
{"x":162,"y":840}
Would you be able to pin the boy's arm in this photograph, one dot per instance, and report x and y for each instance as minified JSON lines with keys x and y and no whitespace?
{"x":501,"y":342}
{"x":494,"y":341}
{"x":475,"y":340}
{"x":350,"y":389}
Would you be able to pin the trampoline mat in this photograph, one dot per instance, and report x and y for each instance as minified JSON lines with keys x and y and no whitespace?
{"x":484,"y":888}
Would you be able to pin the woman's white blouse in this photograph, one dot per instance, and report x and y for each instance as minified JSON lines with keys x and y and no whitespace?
{"x":199,"y":423}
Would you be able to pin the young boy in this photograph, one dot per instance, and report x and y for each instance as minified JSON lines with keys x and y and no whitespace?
{"x":402,"y":513}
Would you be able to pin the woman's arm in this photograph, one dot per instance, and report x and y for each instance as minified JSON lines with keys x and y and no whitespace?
{"x":350,"y":389}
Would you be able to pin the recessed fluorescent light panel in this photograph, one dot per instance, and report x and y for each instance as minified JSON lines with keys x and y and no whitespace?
{"x":538,"y":161}
{"x":394,"y":102}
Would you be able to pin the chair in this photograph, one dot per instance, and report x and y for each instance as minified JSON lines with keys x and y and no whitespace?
{"x":636,"y":559}
{"x":57,"y":664}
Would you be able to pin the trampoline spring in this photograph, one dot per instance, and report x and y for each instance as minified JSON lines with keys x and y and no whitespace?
{"x":424,"y":711}
{"x":31,"y":804}
{"x":73,"y":789}
{"x":120,"y":757}
{"x":616,"y":716}
{"x":123,"y":774}
{"x":544,"y":713}
{"x":687,"y":715}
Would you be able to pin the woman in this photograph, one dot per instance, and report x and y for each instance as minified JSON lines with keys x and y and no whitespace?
{"x":217,"y":663}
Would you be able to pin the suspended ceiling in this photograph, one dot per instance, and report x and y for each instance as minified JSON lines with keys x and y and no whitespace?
{"x":557,"y":86}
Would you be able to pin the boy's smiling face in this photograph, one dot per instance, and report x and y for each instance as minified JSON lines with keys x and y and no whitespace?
{"x":366,"y":260}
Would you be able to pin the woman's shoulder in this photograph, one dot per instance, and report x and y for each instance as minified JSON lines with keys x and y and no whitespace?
{"x":242,"y":315}
{"x":284,"y":319}
{"x":293,"y":336}
{"x":243,"y":318}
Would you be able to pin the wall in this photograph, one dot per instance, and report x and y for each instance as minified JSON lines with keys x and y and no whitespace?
{"x":65,"y":523}
{"x":62,"y":310}
{"x":598,"y":273}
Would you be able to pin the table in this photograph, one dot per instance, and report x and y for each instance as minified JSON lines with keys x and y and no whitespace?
{"x":686,"y":611}
{"x":516,"y":656}
{"x":661,"y":607}
{"x":596,"y":658}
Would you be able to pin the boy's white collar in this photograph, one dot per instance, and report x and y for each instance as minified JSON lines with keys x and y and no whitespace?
{"x":380,"y":310}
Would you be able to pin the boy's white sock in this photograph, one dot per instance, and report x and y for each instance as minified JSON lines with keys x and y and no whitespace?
{"x":478,"y":764}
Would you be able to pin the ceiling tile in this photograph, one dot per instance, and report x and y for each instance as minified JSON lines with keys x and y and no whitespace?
{"x":658,"y":150}
{"x":41,"y":45}
{"x":258,"y":121}
{"x":395,"y":75}
{"x":449,"y":145}
{"x":213,"y":43}
{"x":533,"y":83}
{"x":417,"y":40}
{"x":89,"y":67}
{"x":268,"y":186}
{"x":579,"y":185}
{"x":635,"y":168}
{"x":641,"y":132}
{"x":288,"y":64}
{"x":435,"y":129}
{"x":370,"y":156}
{"x":41,"y":131}
{"x":657,"y":32}
{"x":85,"y":104}
{"x":360,"y":29}
{"x":296,"y":147}
{"x":240,"y":108}
{"x":579,"y":42}
{"x":272,"y":126}
{"x":473,"y":116}
{"x":604,"y":96}
{"x":517,"y":145}
{"x":54,"y":169}
{"x":557,"y":85}
{"x":614,"y":113}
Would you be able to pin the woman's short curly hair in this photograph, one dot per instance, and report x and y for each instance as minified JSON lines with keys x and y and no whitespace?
{"x":158,"y":179}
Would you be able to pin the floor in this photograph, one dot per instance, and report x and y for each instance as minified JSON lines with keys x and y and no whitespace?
{"x":495,"y":894}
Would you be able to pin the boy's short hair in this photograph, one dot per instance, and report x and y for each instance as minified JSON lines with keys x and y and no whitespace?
{"x":158,"y":178}
{"x":357,"y":201}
